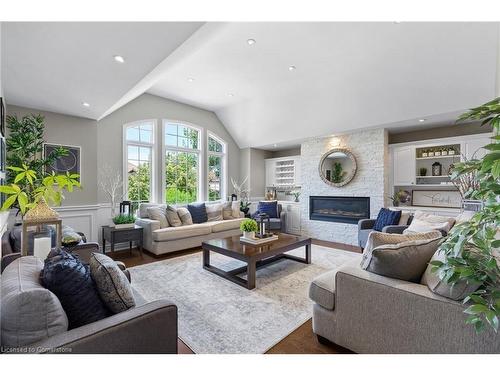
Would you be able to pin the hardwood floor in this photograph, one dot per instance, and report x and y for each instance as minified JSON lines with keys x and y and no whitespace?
{"x":300,"y":341}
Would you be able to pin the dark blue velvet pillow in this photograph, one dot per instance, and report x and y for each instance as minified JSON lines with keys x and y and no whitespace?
{"x":386,"y":217}
{"x":69,"y":279}
{"x":198,"y":212}
{"x":270,"y":208}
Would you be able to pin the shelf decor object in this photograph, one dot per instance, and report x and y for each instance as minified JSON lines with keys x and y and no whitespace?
{"x":436,"y":198}
{"x":437,"y":169}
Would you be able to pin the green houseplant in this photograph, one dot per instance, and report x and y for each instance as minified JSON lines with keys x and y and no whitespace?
{"x":472,"y":249}
{"x":249,"y":227}
{"x":337,"y":173}
{"x":28,"y":188}
{"x":124,"y":221}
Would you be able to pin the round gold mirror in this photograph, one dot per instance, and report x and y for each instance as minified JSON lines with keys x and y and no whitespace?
{"x":337,"y":167}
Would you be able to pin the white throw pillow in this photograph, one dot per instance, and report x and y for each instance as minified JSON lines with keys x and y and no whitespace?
{"x":158,"y":213}
{"x":405,"y":215}
{"x":425,"y":222}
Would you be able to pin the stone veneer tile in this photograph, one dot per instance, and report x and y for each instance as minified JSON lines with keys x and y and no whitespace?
{"x":371,"y":152}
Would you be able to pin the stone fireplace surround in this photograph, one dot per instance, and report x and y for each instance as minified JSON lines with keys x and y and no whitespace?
{"x":370,"y":148}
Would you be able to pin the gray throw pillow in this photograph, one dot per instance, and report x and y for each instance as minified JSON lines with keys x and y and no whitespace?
{"x":30,"y":312}
{"x":214,"y":211}
{"x":158,"y":213}
{"x":404,"y":261}
{"x":173,"y":217}
{"x":185,"y":216}
{"x":112,"y":284}
{"x":457,"y":291}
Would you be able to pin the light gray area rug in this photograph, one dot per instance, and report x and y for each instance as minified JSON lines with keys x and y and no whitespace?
{"x":218,"y":316}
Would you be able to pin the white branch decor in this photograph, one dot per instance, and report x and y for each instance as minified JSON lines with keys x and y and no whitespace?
{"x":242,"y":192}
{"x":110,"y":181}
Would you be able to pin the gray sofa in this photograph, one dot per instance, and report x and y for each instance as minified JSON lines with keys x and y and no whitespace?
{"x":365,"y":227}
{"x":369,"y":313}
{"x":166,"y":240}
{"x":146,"y":328}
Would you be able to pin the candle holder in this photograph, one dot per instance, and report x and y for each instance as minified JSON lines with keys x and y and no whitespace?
{"x":126,"y":208}
{"x":264,"y":224}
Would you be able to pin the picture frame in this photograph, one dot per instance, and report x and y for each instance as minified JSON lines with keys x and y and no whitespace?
{"x":70,"y":163}
{"x":3,"y":116}
{"x":436,"y":198}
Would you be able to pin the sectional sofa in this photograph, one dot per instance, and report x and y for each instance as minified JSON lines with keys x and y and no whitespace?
{"x":166,"y":240}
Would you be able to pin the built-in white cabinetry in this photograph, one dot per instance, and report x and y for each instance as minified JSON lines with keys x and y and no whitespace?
{"x":283,"y":172}
{"x":292,"y":217}
{"x":473,"y":148}
{"x":404,"y":165}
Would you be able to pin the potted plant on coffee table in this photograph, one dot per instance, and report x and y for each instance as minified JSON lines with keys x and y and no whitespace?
{"x":249,"y":227}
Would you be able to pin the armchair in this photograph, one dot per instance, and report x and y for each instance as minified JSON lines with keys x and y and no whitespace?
{"x":277,"y":224}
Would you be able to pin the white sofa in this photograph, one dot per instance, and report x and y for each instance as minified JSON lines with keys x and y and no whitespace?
{"x":166,"y":240}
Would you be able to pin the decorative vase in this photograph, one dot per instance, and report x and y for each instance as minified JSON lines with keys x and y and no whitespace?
{"x":296,"y":199}
{"x":249,"y":235}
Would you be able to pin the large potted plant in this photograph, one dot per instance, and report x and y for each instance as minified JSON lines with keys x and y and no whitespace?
{"x":471,"y":250}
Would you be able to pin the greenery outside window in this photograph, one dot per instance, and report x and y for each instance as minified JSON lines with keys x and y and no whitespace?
{"x":216,"y":168}
{"x":139,"y":146}
{"x":182,"y":162}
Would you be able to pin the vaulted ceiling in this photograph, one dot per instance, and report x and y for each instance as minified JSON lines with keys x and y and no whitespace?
{"x":345,"y":76}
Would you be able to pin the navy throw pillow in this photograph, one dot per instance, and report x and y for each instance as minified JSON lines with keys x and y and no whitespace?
{"x":69,"y":279}
{"x":386,"y":217}
{"x":270,"y":208}
{"x":198,"y":212}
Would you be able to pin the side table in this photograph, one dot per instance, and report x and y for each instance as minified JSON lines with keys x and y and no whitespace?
{"x":115,"y":236}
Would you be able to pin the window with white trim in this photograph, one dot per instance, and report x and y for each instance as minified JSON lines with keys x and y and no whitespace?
{"x":181,"y":162}
{"x":139,"y":146}
{"x":216,"y":153}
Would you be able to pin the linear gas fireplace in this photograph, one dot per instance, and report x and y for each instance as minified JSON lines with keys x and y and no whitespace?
{"x":339,"y":209}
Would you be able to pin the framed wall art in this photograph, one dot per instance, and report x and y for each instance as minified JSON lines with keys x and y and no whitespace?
{"x":70,"y":163}
{"x":437,"y":198}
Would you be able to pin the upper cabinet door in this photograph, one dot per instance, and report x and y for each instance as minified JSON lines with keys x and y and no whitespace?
{"x":298,"y":174}
{"x":473,"y":147}
{"x":404,"y":165}
{"x":270,"y":173}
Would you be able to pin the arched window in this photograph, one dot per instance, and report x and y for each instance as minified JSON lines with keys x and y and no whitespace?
{"x":138,"y":154}
{"x":181,"y":162}
{"x":216,"y":172}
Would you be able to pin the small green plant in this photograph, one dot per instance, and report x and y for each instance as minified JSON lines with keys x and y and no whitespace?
{"x":296,"y":195}
{"x":337,"y":173}
{"x":244,"y":206}
{"x":124,"y":219}
{"x":397,"y":197}
{"x":423,"y":171}
{"x":249,"y":225}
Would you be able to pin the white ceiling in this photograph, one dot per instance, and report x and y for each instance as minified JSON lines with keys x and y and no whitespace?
{"x":57,"y":66}
{"x":349,"y":75}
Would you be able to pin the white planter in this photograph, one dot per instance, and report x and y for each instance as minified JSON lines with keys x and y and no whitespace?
{"x":123,"y":226}
{"x":249,"y":235}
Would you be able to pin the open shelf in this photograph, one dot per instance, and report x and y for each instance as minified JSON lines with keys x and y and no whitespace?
{"x":439,"y":157}
{"x":442,"y":176}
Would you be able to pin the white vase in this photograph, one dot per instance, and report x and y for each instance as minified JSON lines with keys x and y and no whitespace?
{"x":249,"y":235}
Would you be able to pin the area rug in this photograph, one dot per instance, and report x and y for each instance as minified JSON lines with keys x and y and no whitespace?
{"x":218,"y":316}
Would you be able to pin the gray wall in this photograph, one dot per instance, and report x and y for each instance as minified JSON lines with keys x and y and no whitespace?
{"x":75,"y":131}
{"x":146,"y":106}
{"x":252,"y":164}
{"x":439,"y":132}
{"x":102,"y":141}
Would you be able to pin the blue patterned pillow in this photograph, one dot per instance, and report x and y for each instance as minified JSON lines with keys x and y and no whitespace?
{"x":70,"y":280}
{"x":198,"y":212}
{"x":386,"y":217}
{"x":270,"y":208}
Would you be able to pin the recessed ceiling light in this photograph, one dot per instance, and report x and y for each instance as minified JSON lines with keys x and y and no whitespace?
{"x":396,"y":22}
{"x":190,"y":79}
{"x":292,"y":68}
{"x":251,"y":41}
{"x":230,"y":94}
{"x":119,"y":59}
{"x":85,"y":104}
{"x":421,"y":120}
{"x":275,"y":145}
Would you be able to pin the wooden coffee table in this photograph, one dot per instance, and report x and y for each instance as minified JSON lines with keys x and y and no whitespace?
{"x":254,"y":256}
